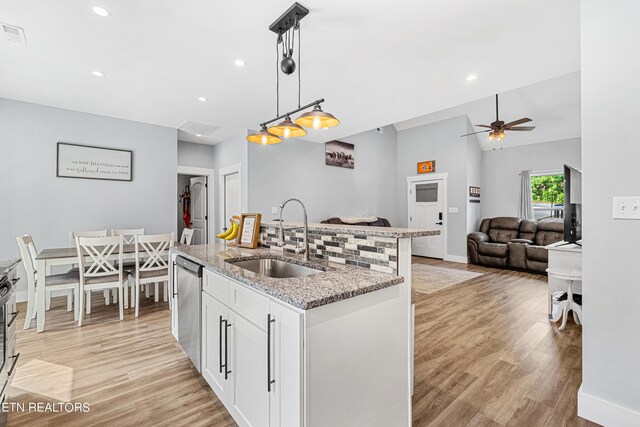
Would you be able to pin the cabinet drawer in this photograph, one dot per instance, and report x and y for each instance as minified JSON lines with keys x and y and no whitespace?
{"x":249,"y":304}
{"x":215,"y":285}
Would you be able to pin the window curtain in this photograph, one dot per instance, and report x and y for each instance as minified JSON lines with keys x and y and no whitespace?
{"x":525,"y":207}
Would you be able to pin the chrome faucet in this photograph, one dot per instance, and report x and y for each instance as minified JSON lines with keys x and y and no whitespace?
{"x":305,"y":249}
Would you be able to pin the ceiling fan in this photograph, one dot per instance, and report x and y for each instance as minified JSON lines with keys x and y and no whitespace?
{"x":497,"y":129}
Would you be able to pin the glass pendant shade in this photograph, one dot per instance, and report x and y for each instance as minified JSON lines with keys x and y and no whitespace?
{"x":263,"y":137}
{"x":287,"y":129}
{"x":317,"y":119}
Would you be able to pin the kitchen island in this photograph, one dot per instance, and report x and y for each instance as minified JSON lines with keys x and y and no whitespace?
{"x":330,"y":346}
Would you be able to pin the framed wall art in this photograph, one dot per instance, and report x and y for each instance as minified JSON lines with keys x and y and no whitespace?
{"x":84,"y":161}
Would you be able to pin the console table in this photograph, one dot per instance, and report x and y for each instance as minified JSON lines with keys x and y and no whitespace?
{"x":567,"y":258}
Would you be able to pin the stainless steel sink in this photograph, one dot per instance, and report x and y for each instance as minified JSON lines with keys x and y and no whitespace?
{"x":275,"y":268}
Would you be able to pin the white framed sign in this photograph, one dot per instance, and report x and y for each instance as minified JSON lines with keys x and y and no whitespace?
{"x":83,"y":161}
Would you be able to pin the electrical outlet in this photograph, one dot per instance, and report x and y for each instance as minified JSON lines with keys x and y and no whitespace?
{"x":626,"y":208}
{"x":274,"y":209}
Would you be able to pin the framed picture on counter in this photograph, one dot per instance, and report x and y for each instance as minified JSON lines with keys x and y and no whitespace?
{"x":249,"y":234}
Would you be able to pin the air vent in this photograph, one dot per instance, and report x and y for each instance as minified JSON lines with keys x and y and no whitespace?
{"x":13,"y":34}
{"x":195,"y":128}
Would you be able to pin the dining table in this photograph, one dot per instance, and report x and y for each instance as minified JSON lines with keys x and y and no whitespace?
{"x":48,"y":258}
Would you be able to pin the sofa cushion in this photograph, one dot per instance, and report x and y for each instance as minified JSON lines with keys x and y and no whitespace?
{"x":504,"y":229}
{"x":537,"y":253}
{"x":550,"y":231}
{"x":528,"y":228}
{"x":493,"y":249}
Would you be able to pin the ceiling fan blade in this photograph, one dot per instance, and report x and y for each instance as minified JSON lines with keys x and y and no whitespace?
{"x":483,"y":126}
{"x":516,"y":122}
{"x":482,"y":131}
{"x":522,"y":128}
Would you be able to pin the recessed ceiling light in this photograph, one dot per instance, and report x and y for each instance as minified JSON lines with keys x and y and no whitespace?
{"x":101,"y":11}
{"x":240,"y":63}
{"x":471,"y":77}
{"x":198,"y":135}
{"x":98,"y":73}
{"x":203,"y":99}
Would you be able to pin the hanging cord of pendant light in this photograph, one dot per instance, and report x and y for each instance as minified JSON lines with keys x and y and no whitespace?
{"x":278,"y":41}
{"x":297,"y":26}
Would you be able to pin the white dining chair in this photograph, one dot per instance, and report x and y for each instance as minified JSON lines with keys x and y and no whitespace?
{"x":152,"y":264}
{"x":67,"y":281}
{"x":128,"y":238}
{"x":72,"y":242}
{"x":104,"y":269}
{"x":187,"y":236}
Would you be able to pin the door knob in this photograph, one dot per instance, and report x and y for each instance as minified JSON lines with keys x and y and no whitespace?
{"x":438,"y":223}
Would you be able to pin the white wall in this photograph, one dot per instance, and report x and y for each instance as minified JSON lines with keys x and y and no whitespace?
{"x":500,"y":190}
{"x":610,"y":392}
{"x":296,"y":168}
{"x":441,"y":142}
{"x":36,"y":202}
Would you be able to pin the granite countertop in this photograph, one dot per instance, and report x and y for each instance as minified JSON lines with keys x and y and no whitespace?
{"x":393,"y":232}
{"x":7,"y":264}
{"x":336,"y":282}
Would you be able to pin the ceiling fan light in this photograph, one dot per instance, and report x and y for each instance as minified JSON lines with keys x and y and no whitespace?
{"x":317,"y":119}
{"x":287,"y":129}
{"x":263,"y":137}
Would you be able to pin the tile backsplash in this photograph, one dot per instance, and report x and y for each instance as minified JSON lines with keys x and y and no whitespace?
{"x":376,"y":253}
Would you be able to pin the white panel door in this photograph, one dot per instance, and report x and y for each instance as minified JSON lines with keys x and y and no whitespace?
{"x":426,"y":211}
{"x":232,"y":198}
{"x":248,"y":396}
{"x":214,"y":338}
{"x":199,"y":213}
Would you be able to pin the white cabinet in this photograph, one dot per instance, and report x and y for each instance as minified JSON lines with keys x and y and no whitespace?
{"x":251,"y":353}
{"x":215,"y":334}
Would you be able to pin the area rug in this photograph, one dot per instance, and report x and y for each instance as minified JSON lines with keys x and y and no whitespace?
{"x":428,"y":279}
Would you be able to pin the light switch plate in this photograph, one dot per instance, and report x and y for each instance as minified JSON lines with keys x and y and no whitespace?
{"x":274,"y":209}
{"x":453,"y":210}
{"x":626,"y":208}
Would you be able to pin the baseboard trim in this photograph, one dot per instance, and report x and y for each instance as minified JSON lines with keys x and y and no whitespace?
{"x":604,"y":412}
{"x":456,"y":258}
{"x":21,"y":296}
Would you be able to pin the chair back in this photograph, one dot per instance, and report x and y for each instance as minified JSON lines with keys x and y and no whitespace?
{"x":151,"y":247}
{"x":187,"y":235}
{"x":28,"y":255}
{"x":74,"y":234}
{"x":105,"y":255}
{"x":128,"y":235}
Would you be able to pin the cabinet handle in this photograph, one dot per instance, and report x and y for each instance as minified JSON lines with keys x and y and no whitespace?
{"x":13,"y":365}
{"x":226,"y":347}
{"x":270,"y":320}
{"x":174,"y":284}
{"x":220,"y":344}
{"x":13,"y":318}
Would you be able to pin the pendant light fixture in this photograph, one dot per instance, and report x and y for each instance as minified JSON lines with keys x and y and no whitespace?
{"x":263,"y":137}
{"x":286,"y":28}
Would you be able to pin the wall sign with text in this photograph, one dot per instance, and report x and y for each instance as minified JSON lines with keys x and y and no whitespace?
{"x":427,"y":167}
{"x":83,"y":161}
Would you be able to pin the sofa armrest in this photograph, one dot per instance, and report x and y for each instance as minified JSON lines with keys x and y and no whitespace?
{"x":478,"y":237}
{"x":527,"y":241}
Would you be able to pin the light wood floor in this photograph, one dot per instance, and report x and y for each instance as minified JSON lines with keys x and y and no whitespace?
{"x":485,"y":355}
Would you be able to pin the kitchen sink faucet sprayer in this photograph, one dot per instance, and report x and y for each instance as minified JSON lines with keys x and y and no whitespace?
{"x":305,"y":249}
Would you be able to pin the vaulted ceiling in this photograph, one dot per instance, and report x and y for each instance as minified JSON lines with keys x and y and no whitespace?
{"x":376,"y":63}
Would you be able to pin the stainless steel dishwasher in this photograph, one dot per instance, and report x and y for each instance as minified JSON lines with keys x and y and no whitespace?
{"x":189,"y":295}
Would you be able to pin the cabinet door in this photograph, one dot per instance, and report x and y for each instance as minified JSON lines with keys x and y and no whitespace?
{"x":214,"y":335}
{"x":286,"y":346}
{"x":248,"y":399}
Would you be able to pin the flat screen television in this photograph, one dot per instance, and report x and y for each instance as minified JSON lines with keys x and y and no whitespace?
{"x":572,"y":204}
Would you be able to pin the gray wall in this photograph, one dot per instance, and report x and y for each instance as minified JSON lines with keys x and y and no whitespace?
{"x":36,"y":202}
{"x":232,"y":151}
{"x":195,"y":155}
{"x":441,"y":142}
{"x":610,"y":153}
{"x":297,"y":169}
{"x":500,"y":169}
{"x":474,"y":178}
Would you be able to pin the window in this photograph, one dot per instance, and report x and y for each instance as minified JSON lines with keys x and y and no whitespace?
{"x":426,"y":193}
{"x":547,"y":192}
